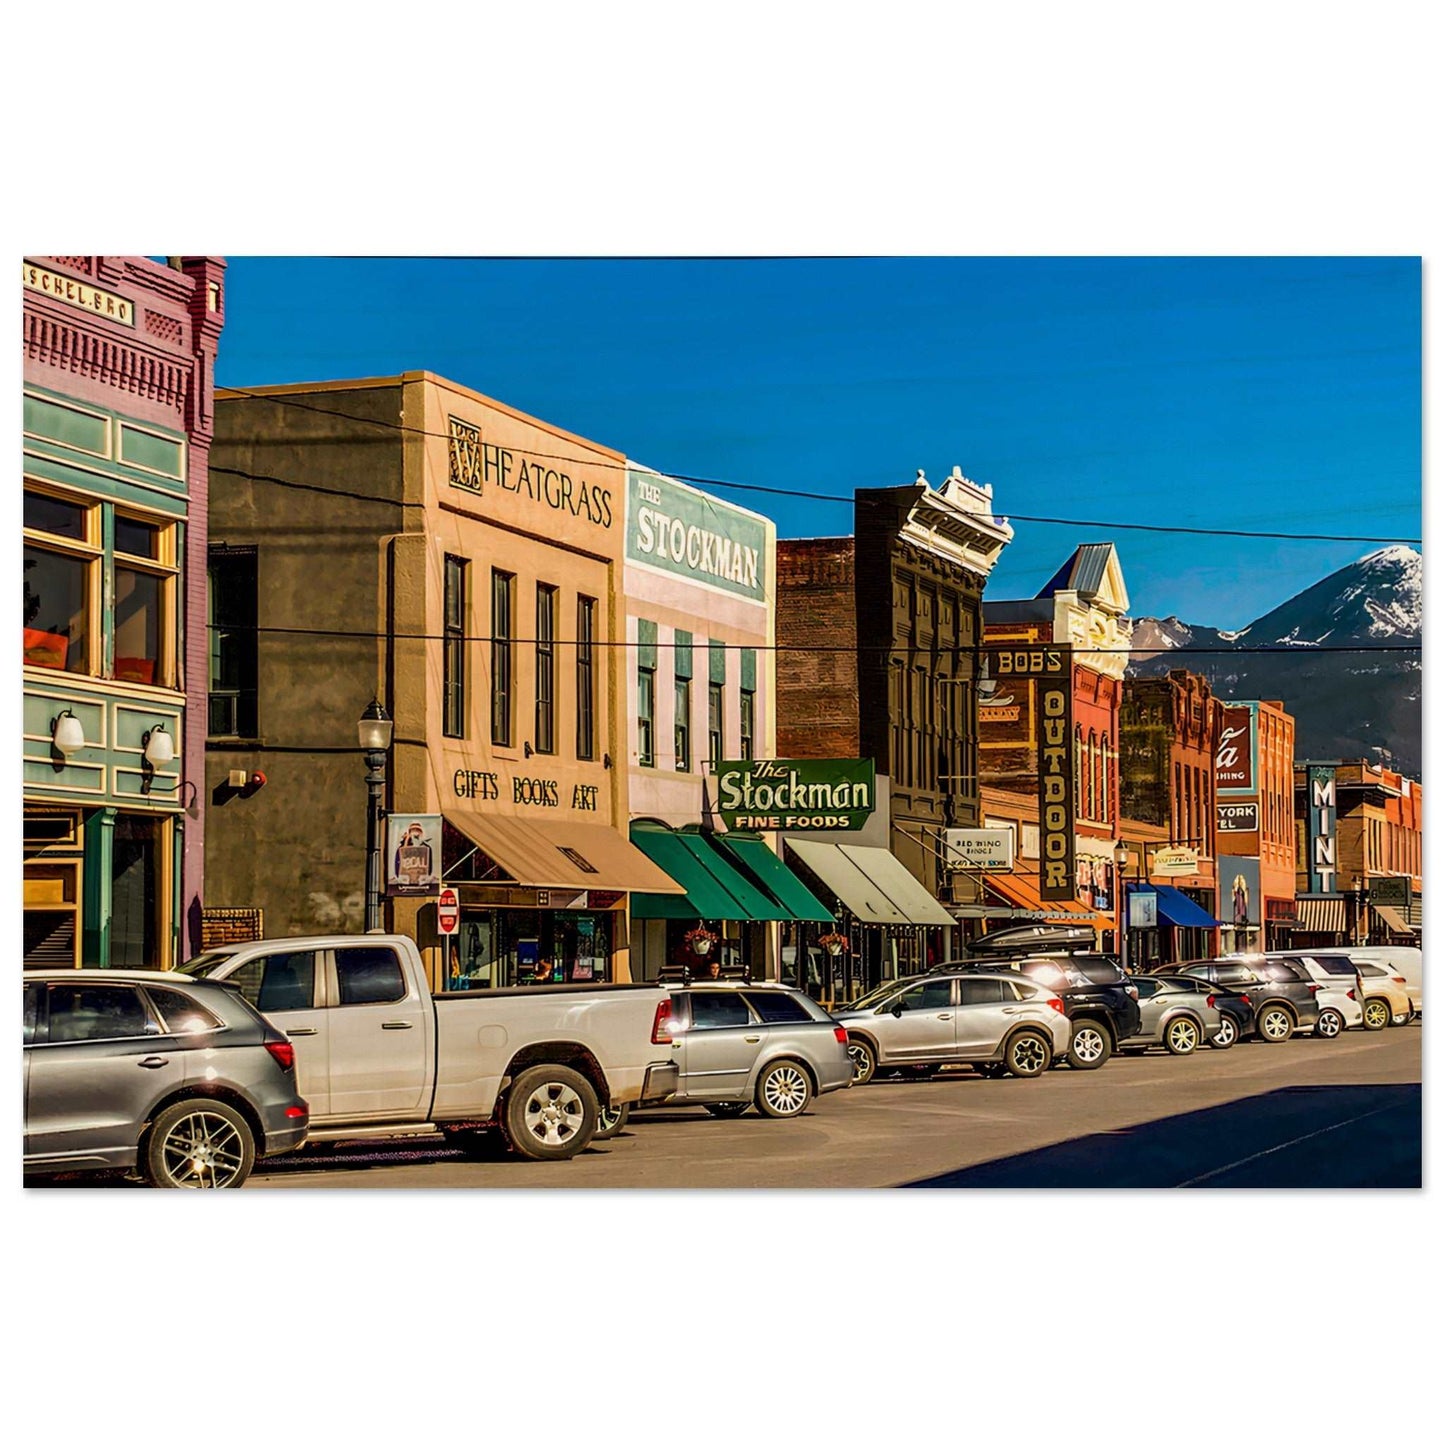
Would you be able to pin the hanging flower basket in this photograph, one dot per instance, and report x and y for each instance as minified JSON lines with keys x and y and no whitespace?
{"x":700,"y":939}
{"x":835,"y":943}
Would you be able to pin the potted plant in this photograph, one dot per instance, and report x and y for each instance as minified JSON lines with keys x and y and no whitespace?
{"x":700,"y":939}
{"x":835,"y":943}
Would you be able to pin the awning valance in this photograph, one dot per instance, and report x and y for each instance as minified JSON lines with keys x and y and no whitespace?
{"x":1319,"y":915}
{"x":561,"y":855}
{"x":1180,"y":910}
{"x":714,"y":888}
{"x":774,"y":876}
{"x":1021,"y":890}
{"x":871,"y":883}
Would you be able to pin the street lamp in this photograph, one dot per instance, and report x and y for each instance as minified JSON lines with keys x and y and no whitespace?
{"x":1121,"y":862}
{"x":373,"y":729}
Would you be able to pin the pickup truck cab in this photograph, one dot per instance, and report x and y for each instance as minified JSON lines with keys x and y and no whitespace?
{"x":378,"y":1054}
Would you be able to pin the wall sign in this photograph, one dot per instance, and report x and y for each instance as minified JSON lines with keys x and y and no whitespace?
{"x":1236,"y":817}
{"x":1051,"y":668}
{"x":1320,"y":818}
{"x":78,"y":293}
{"x":1236,"y":759}
{"x":988,"y":848}
{"x":475,"y":463}
{"x":810,"y":794}
{"x":692,"y":535}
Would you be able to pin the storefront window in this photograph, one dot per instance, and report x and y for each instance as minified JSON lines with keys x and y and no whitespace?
{"x":507,"y":947}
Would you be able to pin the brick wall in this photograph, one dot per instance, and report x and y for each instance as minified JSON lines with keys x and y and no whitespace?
{"x":817,"y":667}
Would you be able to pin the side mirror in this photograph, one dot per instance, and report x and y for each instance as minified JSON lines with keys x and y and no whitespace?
{"x":896,"y":1010}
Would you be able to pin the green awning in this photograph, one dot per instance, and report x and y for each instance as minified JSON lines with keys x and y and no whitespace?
{"x":771,"y":873}
{"x":715,"y":889}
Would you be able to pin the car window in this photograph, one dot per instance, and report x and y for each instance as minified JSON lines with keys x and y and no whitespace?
{"x":936,"y":993}
{"x":84,"y":1013}
{"x":1046,"y":972}
{"x":982,"y":990}
{"x":32,"y":1008}
{"x":1098,"y":970}
{"x":1371,"y":970}
{"x":181,"y":1013}
{"x":273,"y":981}
{"x":1232,"y":973}
{"x":1278,"y":971}
{"x":1147,"y":987}
{"x":720,"y":1010}
{"x":369,"y":975}
{"x":1333,"y":963}
{"x":778,"y":1008}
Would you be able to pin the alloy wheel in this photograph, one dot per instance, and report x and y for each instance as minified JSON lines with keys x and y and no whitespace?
{"x":202,"y":1150}
{"x":553,"y":1113}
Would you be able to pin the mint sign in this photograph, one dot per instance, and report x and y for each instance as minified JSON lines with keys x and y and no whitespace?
{"x":825,"y":795}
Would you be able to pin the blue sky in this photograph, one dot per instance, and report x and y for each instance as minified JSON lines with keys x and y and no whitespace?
{"x":1270,"y":394}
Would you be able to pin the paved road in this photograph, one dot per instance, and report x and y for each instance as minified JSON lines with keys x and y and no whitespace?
{"x":1310,"y":1113}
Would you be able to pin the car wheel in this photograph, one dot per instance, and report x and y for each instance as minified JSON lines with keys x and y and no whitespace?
{"x":1181,"y":1036}
{"x":551,"y":1112}
{"x":784,"y":1089}
{"x":1090,"y":1047}
{"x":1274,"y":1024}
{"x":865,"y":1060}
{"x":728,"y":1110}
{"x":1027,"y":1055}
{"x":1377,"y":1014}
{"x":1228,"y":1034}
{"x":610,"y":1122}
{"x":1403,"y":1019}
{"x":199,"y":1144}
{"x":1330,"y":1024}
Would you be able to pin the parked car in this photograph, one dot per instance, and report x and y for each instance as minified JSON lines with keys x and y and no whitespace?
{"x":1175,"y":1014}
{"x":1340,"y":995}
{"x":1399,"y":962}
{"x":177,"y":1080}
{"x":995,"y":1022}
{"x":1386,"y":995}
{"x":1282,"y":994}
{"x":740,"y":1046}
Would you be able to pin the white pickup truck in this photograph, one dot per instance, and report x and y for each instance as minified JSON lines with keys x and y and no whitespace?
{"x":379,"y":1055}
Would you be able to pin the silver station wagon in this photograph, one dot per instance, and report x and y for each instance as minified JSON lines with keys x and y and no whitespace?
{"x":1000,"y":1024}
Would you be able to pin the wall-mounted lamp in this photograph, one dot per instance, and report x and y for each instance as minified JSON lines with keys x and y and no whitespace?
{"x":526,"y":749}
{"x":66,"y":733}
{"x":160,"y":749}
{"x":606,"y":760}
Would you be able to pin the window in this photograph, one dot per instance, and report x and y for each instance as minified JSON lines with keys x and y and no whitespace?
{"x":144,"y":603}
{"x":277,"y":980}
{"x":369,"y":975}
{"x":454,"y":647}
{"x":545,"y":740}
{"x":502,"y":658}
{"x":681,"y":717}
{"x":182,"y":1015}
{"x":646,"y":703}
{"x":61,"y":566}
{"x":231,"y":604}
{"x":779,"y":1008}
{"x":714,"y":722}
{"x":139,"y":892}
{"x":746,"y":723}
{"x":84,"y":1013}
{"x":719,"y":1011}
{"x":980,"y":990}
{"x":586,"y":684}
{"x":935,"y":994}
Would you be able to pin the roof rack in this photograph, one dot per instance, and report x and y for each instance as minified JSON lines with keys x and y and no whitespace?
{"x":684,"y":973}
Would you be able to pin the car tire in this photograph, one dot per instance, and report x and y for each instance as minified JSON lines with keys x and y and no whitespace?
{"x":550,"y":1113}
{"x":1090,"y":1046}
{"x":1181,"y":1036}
{"x":1403,"y":1020}
{"x":864,"y":1059}
{"x":1376,"y":1015}
{"x":728,"y":1109}
{"x":784,"y":1089}
{"x":1027,"y":1054}
{"x":610,"y":1122}
{"x":1274,"y":1023}
{"x":199,"y":1144}
{"x":1228,"y":1034}
{"x":1330,"y":1024}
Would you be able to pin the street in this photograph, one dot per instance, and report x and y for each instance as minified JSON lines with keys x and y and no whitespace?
{"x":1344,"y":1113}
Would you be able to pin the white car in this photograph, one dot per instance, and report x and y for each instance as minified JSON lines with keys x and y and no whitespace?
{"x":1403,"y":961}
{"x":1340,"y":997}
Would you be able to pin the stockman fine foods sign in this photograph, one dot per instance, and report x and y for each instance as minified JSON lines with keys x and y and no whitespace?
{"x":692,"y":535}
{"x":826,"y":795}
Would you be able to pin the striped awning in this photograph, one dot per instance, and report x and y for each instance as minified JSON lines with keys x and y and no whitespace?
{"x":1319,"y":915}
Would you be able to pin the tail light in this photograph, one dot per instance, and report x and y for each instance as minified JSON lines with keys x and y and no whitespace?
{"x":283,"y":1051}
{"x":841,"y":1034}
{"x":1209,"y":1002}
{"x":662,"y":1023}
{"x":1314,"y":988}
{"x":1244,"y":998}
{"x":1401,"y":982}
{"x":1055,"y":1003}
{"x":1350,"y":994}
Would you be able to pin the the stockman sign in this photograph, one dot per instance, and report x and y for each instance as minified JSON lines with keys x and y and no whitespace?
{"x":1050,"y":667}
{"x":824,"y":795}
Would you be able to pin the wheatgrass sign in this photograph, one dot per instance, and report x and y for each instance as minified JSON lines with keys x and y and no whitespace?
{"x":825,"y":795}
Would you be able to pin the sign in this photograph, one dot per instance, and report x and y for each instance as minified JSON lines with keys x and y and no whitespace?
{"x":77,"y":293}
{"x":690,"y":534}
{"x":1320,"y":866}
{"x":1236,"y":817}
{"x":492,"y":786}
{"x":413,"y":855}
{"x":1240,"y":876}
{"x":1143,"y":908}
{"x":1236,"y":758}
{"x":989,"y":848}
{"x":1174,"y":862}
{"x":1391,"y":892}
{"x":447,"y":911}
{"x":1051,"y":668}
{"x":796,"y":796}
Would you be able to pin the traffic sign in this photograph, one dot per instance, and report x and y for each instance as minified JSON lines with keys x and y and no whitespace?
{"x":447,"y":911}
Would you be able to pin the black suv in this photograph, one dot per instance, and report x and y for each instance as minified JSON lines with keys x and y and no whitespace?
{"x":1282,"y":993}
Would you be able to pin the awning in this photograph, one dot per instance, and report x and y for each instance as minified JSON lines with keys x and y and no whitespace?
{"x":545,"y":854}
{"x":1022,"y":891}
{"x":773,"y":876}
{"x":1319,"y":915}
{"x":871,"y":883}
{"x":714,"y":889}
{"x":1394,"y":919}
{"x":1181,"y":910}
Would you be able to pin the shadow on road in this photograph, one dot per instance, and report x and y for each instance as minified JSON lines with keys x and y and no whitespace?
{"x":1346,"y":1137}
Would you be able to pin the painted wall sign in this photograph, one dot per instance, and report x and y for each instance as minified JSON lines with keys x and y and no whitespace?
{"x":78,"y":293}
{"x":1052,"y":670}
{"x":990,"y":848}
{"x":523,"y":792}
{"x":1320,"y":819}
{"x":692,"y":535}
{"x":796,"y":796}
{"x":475,"y":463}
{"x":1236,"y":817}
{"x":413,"y":855}
{"x":1240,"y":876}
{"x":1237,"y":757}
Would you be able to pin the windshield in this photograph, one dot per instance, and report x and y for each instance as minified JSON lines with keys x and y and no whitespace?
{"x":876,"y":996}
{"x":204,"y":964}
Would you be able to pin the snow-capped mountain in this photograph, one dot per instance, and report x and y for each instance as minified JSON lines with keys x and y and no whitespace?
{"x":1346,"y":704}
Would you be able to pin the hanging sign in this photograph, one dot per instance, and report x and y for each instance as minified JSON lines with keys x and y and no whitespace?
{"x":413,"y":855}
{"x":796,"y":796}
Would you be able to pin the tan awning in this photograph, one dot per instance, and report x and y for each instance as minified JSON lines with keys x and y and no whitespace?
{"x":871,"y":883}
{"x":547,"y":854}
{"x":1319,"y":915}
{"x":1394,"y":919}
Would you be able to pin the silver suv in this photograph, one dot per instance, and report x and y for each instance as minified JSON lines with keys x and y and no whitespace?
{"x":171,"y":1077}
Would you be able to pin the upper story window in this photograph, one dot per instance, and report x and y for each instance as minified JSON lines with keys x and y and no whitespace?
{"x":502,"y":588}
{"x":231,"y":615}
{"x":454,"y":647}
{"x":63,"y":559}
{"x":714,"y":723}
{"x":586,"y":680}
{"x":545,"y":730}
{"x":145,"y":583}
{"x":646,"y":714}
{"x":747,"y":722}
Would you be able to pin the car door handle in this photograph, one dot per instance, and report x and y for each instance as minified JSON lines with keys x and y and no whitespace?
{"x":752,"y":1038}
{"x":397,"y":1024}
{"x":153,"y":1061}
{"x":299,"y":1033}
{"x":945,"y":1016}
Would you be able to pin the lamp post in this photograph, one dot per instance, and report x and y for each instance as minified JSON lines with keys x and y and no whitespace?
{"x":1121,"y":862}
{"x":373,"y":729}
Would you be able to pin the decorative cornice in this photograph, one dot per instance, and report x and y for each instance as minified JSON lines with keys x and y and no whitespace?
{"x":56,"y":342}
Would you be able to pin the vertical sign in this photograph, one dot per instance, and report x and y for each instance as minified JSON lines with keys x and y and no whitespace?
{"x":1050,"y":668}
{"x":1236,"y":758}
{"x":1320,"y":817}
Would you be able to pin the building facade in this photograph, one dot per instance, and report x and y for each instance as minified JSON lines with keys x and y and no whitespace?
{"x":119,"y":370}
{"x":408,"y":540}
